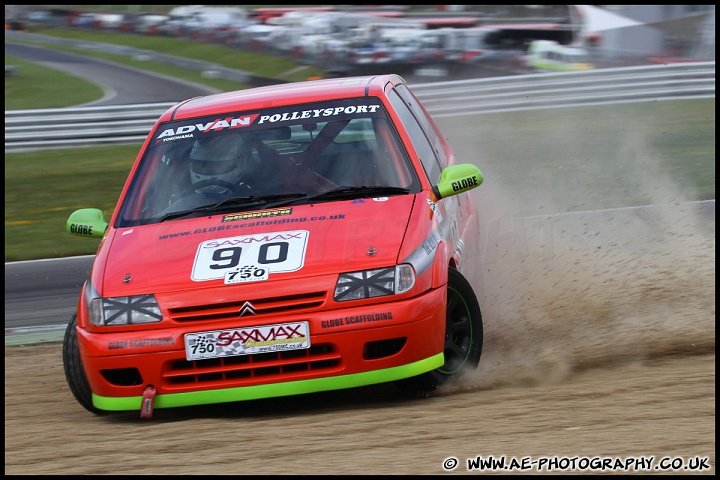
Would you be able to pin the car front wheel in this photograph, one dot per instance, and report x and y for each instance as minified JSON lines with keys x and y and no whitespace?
{"x":463,"y":337}
{"x":74,"y":372}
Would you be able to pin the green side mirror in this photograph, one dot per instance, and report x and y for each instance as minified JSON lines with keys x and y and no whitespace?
{"x":457,"y":179}
{"x":87,"y":222}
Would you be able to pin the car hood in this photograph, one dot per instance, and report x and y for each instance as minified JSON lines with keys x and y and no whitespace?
{"x":323,"y":238}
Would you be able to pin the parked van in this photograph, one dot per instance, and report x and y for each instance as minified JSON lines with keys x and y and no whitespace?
{"x":547,"y":55}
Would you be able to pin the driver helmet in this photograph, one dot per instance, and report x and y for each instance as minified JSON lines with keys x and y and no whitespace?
{"x":223,"y":158}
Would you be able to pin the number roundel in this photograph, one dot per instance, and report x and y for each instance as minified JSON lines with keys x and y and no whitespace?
{"x":250,"y":257}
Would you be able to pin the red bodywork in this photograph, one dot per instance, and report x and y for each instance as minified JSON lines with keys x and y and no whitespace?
{"x":342,"y":236}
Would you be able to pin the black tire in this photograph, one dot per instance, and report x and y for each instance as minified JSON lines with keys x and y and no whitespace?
{"x":74,"y":371}
{"x":463,"y":337}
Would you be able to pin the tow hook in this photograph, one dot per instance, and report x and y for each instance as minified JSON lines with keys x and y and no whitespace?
{"x":148,"y":402}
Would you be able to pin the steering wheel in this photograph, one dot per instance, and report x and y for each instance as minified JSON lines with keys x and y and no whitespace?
{"x":236,"y":189}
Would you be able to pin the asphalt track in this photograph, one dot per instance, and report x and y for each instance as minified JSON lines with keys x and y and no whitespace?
{"x":122,"y":85}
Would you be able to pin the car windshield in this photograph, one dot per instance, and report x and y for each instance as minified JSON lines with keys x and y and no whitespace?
{"x":289,"y":155}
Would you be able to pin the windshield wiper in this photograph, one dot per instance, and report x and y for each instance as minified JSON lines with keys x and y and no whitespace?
{"x":266,"y":201}
{"x":357,"y":192}
{"x":239,"y":203}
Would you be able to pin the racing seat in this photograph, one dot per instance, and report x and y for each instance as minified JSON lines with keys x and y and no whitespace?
{"x":355,"y":169}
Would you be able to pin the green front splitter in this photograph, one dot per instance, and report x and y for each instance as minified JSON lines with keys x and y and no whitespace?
{"x":299,"y":387}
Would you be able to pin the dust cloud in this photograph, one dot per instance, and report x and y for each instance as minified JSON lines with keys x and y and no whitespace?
{"x":582,"y":285}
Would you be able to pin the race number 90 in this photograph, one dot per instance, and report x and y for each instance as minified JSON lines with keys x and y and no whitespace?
{"x":250,"y":257}
{"x":268,"y":253}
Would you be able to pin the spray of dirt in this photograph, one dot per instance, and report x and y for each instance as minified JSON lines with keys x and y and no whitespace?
{"x":585,"y":288}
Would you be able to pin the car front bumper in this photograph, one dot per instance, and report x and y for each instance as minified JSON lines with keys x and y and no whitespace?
{"x":349,"y":348}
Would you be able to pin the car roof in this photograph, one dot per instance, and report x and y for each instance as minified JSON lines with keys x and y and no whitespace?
{"x":282,"y":95}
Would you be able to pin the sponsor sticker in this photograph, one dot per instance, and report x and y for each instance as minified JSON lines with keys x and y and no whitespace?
{"x":247,"y":341}
{"x":248,"y":273}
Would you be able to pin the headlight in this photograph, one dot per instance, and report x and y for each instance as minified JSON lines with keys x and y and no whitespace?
{"x":374,"y":283}
{"x":133,"y":310}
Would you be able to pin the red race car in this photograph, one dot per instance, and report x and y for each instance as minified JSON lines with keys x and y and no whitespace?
{"x":278,"y":241}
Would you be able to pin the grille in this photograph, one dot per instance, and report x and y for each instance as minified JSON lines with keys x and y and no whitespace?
{"x":264,"y":306}
{"x":247,"y":369}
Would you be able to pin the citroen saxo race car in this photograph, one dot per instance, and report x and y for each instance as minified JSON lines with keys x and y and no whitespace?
{"x":278,"y":241}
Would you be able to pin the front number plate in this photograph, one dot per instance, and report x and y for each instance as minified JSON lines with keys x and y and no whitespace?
{"x":246,"y":341}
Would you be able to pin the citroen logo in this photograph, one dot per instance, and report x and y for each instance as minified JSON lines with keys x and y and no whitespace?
{"x":247,"y":309}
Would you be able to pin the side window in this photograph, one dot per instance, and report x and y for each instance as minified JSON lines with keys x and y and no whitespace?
{"x":428,"y":125}
{"x":422,"y":145}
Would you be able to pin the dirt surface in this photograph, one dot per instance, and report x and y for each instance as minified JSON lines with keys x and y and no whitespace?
{"x":660,"y":407}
